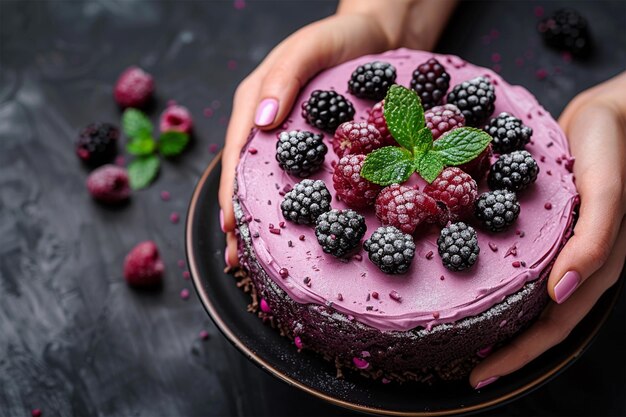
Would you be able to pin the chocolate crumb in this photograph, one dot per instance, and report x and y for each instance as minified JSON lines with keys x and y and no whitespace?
{"x":290,"y":244}
{"x":369,"y":308}
{"x":340,"y":297}
{"x":368,"y":297}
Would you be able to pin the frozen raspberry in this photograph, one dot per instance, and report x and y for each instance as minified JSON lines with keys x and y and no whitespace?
{"x":406,"y":208}
{"x":356,"y":138}
{"x":143,"y":266}
{"x":109,"y":184}
{"x":479,"y":166}
{"x":176,"y":118}
{"x":134,"y":88}
{"x":350,"y":187}
{"x":456,"y":189}
{"x":377,"y":118}
{"x":442,"y":119}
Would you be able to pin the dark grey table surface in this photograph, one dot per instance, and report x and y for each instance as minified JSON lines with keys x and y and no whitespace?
{"x":74,"y":339}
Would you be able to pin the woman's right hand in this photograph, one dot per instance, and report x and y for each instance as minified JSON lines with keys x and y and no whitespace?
{"x":266,"y":96}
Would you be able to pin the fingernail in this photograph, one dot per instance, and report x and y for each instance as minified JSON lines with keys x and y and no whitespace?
{"x":486,"y":382}
{"x":266,"y":112}
{"x":222,"y":221}
{"x":226,"y":257}
{"x":566,"y":286}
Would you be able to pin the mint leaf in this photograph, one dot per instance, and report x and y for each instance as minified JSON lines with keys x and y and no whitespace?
{"x":424,"y":140}
{"x":135,"y":123}
{"x":388,"y":165}
{"x":429,"y":165}
{"x":404,"y":115}
{"x":461,"y":145}
{"x":141,"y":145}
{"x":172,"y":143}
{"x":143,"y":170}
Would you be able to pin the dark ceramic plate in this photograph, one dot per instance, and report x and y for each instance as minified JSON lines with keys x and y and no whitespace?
{"x":226,"y":304}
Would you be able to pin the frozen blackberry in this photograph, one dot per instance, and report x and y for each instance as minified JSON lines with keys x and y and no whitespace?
{"x":340,"y":231}
{"x":458,"y":246}
{"x":475,"y":98}
{"x":508,"y":133}
{"x":430,"y":81}
{"x":567,"y":30}
{"x":372,"y":80}
{"x":326,"y":110}
{"x":513,"y":171}
{"x":97,"y":143}
{"x":306,"y":201}
{"x":390,"y":250}
{"x":497,"y":209}
{"x":300,"y":152}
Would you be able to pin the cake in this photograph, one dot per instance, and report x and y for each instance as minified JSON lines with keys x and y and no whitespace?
{"x":428,"y":322}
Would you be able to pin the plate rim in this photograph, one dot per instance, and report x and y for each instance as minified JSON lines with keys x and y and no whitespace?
{"x":263,"y":364}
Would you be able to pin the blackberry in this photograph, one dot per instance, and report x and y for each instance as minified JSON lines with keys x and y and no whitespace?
{"x":372,"y":80}
{"x":390,"y":250}
{"x":567,"y":30}
{"x":307,"y":200}
{"x":97,"y":143}
{"x":300,"y":152}
{"x":340,"y":231}
{"x":458,"y":246}
{"x":497,"y":209}
{"x":513,"y":171}
{"x":430,"y":81}
{"x":475,"y":99}
{"x":326,"y":110}
{"x":508,"y":133}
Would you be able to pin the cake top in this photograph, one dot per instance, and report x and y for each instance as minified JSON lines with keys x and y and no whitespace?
{"x":427,"y":293}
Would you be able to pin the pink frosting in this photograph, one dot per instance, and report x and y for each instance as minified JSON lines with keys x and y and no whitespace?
{"x":420,"y":297}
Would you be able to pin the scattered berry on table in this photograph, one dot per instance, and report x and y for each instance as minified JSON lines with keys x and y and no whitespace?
{"x":306,"y":201}
{"x":390,"y":249}
{"x":97,"y":143}
{"x":497,"y":209}
{"x":300,"y":152}
{"x":430,"y":81}
{"x":350,"y":186}
{"x":377,"y":118}
{"x":456,"y":189}
{"x":326,"y":110}
{"x":133,"y":88}
{"x":480,"y":165}
{"x":475,"y":98}
{"x":143,"y":266}
{"x":356,"y":138}
{"x":458,"y":246}
{"x":442,"y":119}
{"x":109,"y":184}
{"x":405,"y":208}
{"x":567,"y":30}
{"x":508,"y":132}
{"x":372,"y":80}
{"x":176,"y":118}
{"x":513,"y":171}
{"x":340,"y":231}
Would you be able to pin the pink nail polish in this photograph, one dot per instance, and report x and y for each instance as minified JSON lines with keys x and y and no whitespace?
{"x":566,"y":286}
{"x":486,"y":382}
{"x":222,"y":221}
{"x":266,"y":112}
{"x":226,"y":257}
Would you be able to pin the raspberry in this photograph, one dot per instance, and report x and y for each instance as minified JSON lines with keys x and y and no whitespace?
{"x":390,"y":250}
{"x":497,"y":209}
{"x":133,"y":88}
{"x":480,"y":165}
{"x":176,"y":118}
{"x":300,"y":153}
{"x":372,"y":80}
{"x":350,"y":186}
{"x":475,"y":99}
{"x":97,"y":143}
{"x":326,"y":110}
{"x":405,"y":207}
{"x":508,"y":133}
{"x":456,"y":189}
{"x":567,"y":30}
{"x":430,"y":81}
{"x":458,"y":246}
{"x":377,"y":118}
{"x":340,"y":231}
{"x":109,"y":184}
{"x":513,"y":171}
{"x":307,"y":200}
{"x":143,"y":266}
{"x":442,"y":119}
{"x":356,"y":138}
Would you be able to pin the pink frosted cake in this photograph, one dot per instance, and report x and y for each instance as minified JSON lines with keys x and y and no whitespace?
{"x":440,"y":312}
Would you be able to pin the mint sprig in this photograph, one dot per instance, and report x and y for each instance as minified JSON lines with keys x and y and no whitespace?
{"x":173,"y":143}
{"x":418,"y":152}
{"x":143,"y":170}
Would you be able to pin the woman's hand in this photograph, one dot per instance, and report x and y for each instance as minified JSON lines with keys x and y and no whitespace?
{"x":591,"y":261}
{"x":266,"y":96}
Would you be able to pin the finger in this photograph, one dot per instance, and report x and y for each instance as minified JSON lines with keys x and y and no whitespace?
{"x":600,"y":180}
{"x":230,"y":253}
{"x":555,"y":324}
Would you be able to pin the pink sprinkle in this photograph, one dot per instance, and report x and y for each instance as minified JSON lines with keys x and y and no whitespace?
{"x":252,"y":150}
{"x":184,"y":293}
{"x":374,"y":295}
{"x":275,"y":231}
{"x":283,"y":272}
{"x":186,"y":275}
{"x":165,"y":195}
{"x":429,"y":255}
{"x":516,"y":264}
{"x":519,"y":62}
{"x":208,"y":112}
{"x":493,"y":246}
{"x":549,"y":172}
{"x":36,"y":412}
{"x":298,"y":342}
{"x":548,"y":206}
{"x":365,"y":354}
{"x":542,"y":158}
{"x":339,"y":297}
{"x":496,"y":68}
{"x":171,"y":103}
{"x":358,"y":257}
{"x":239,"y":4}
{"x":495,"y":33}
{"x":442,"y":278}
{"x":181,"y":263}
{"x":216,"y":104}
{"x":395,"y":296}
{"x":282,"y":225}
{"x":511,"y":251}
{"x":213,"y":148}
{"x":538,"y":11}
{"x":385,"y":381}
{"x":435,"y":315}
{"x":566,"y":56}
{"x":174,"y":217}
{"x":120,"y":161}
{"x":223,"y":121}
{"x":350,"y":317}
{"x":204,"y":335}
{"x":484,"y":352}
{"x":301,"y":237}
{"x":541,"y":74}
{"x":503,"y":323}
{"x":569,"y":164}
{"x":360,"y":363}
{"x":264,"y":306}
{"x":231,"y":64}
{"x":496,"y":57}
